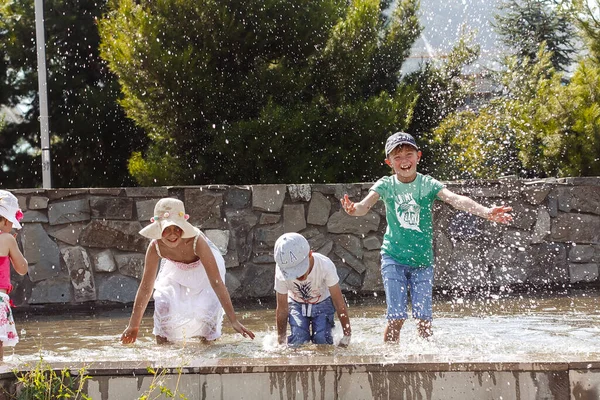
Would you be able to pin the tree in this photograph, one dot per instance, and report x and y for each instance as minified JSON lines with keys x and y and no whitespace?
{"x":540,"y":127}
{"x":261,"y":92}
{"x":525,"y":24}
{"x":91,"y":137}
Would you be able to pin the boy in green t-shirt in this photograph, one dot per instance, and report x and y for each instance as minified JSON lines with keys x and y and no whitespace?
{"x":407,"y":249}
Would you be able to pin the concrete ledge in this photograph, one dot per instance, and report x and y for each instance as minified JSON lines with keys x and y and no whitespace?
{"x":342,"y":378}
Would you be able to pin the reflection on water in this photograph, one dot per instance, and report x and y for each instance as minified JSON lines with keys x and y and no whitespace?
{"x":559,"y":328}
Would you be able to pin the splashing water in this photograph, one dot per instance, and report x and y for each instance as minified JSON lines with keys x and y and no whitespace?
{"x":564,"y":328}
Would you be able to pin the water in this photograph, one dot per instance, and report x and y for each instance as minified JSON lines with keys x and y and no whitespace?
{"x":510,"y":329}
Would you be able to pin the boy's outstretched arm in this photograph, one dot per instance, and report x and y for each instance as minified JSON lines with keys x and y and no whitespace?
{"x":362,"y":207}
{"x":342,"y":312}
{"x":497,"y":214}
{"x":281,"y":317}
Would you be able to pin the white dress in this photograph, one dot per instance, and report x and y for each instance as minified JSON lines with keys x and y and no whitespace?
{"x":185,"y":304}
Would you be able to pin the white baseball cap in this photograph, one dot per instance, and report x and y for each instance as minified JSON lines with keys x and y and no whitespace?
{"x":291,"y":256}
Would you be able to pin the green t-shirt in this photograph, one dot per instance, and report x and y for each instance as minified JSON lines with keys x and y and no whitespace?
{"x":408,"y":207}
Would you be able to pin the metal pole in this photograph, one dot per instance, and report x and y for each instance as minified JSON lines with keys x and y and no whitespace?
{"x":43,"y":93}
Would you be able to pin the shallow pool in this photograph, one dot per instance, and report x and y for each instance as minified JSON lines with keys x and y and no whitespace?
{"x":495,"y":329}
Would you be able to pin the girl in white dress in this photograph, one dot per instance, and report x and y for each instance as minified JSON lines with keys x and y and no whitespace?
{"x":190,"y":295}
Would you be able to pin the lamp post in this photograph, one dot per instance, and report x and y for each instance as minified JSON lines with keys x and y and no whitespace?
{"x":43,"y":94}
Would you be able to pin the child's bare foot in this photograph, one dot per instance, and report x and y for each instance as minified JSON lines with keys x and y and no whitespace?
{"x":161,"y":340}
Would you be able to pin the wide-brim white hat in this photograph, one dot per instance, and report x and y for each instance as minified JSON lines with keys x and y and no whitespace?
{"x":9,"y":208}
{"x":169,"y":212}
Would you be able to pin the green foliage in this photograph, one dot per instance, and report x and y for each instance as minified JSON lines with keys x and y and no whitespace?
{"x":523,"y":25}
{"x":158,"y":385}
{"x":443,"y":88}
{"x":44,"y":383}
{"x":541,"y":127}
{"x":261,"y":92}
{"x":91,"y":137}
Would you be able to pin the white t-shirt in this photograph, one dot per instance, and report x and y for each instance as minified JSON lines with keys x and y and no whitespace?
{"x":315,"y":288}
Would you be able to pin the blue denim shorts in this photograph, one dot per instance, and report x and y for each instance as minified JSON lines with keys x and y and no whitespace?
{"x":397,"y":279}
{"x":311,"y":322}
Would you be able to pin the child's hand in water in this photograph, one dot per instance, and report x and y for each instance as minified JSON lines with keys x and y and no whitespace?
{"x":129,"y":335}
{"x":242,"y":330}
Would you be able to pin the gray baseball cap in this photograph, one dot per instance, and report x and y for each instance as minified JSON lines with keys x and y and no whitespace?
{"x":291,"y":256}
{"x":398,"y":139}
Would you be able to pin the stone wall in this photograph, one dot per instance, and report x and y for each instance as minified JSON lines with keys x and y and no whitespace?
{"x":83,"y":244}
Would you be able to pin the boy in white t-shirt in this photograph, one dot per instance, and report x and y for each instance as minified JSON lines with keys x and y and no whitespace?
{"x":308,"y":294}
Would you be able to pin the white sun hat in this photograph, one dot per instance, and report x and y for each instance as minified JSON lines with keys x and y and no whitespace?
{"x":168,"y":212}
{"x":291,"y":256}
{"x":9,"y":208}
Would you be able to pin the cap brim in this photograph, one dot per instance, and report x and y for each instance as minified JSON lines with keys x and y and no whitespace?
{"x":289,"y":274}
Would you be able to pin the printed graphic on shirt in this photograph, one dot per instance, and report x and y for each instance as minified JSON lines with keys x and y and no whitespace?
{"x":304,"y":292}
{"x":408,"y":211}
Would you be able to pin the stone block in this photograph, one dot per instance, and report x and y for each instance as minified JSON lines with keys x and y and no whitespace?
{"x":293,"y":218}
{"x":38,"y":203}
{"x":220,"y":238}
{"x":34,"y":216}
{"x":204,"y":209}
{"x":55,"y":194}
{"x":233,"y":284}
{"x":371,"y":243}
{"x":106,"y":191}
{"x":111,"y":207}
{"x":122,"y":235}
{"x":68,"y":233}
{"x":80,"y":272}
{"x":130,"y":264}
{"x":340,"y":222}
{"x":156,"y":192}
{"x":582,"y":253}
{"x":319,"y":209}
{"x":41,"y":252}
{"x":268,"y":219}
{"x":238,"y":197}
{"x":548,"y":264}
{"x":103,"y":260}
{"x":265,"y":236}
{"x":373,"y":282}
{"x":465,"y":226}
{"x":536,"y":195}
{"x":145,"y":209}
{"x":516,"y":238}
{"x":69,"y":211}
{"x":508,"y":266}
{"x":351,"y":243}
{"x":52,"y":291}
{"x":576,"y":228}
{"x":524,"y":215}
{"x":350,"y":259}
{"x":300,"y":192}
{"x":268,"y":197}
{"x":583,"y":272}
{"x":116,"y":288}
{"x":258,"y":280}
{"x":541,"y":229}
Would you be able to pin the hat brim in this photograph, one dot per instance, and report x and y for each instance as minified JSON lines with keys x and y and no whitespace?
{"x":16,"y":224}
{"x":289,"y":274}
{"x":155,"y":229}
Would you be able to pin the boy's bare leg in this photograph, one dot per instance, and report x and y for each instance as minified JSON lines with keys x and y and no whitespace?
{"x":392,"y":330}
{"x":424,"y":328}
{"x":1,"y":351}
{"x":161,"y":340}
